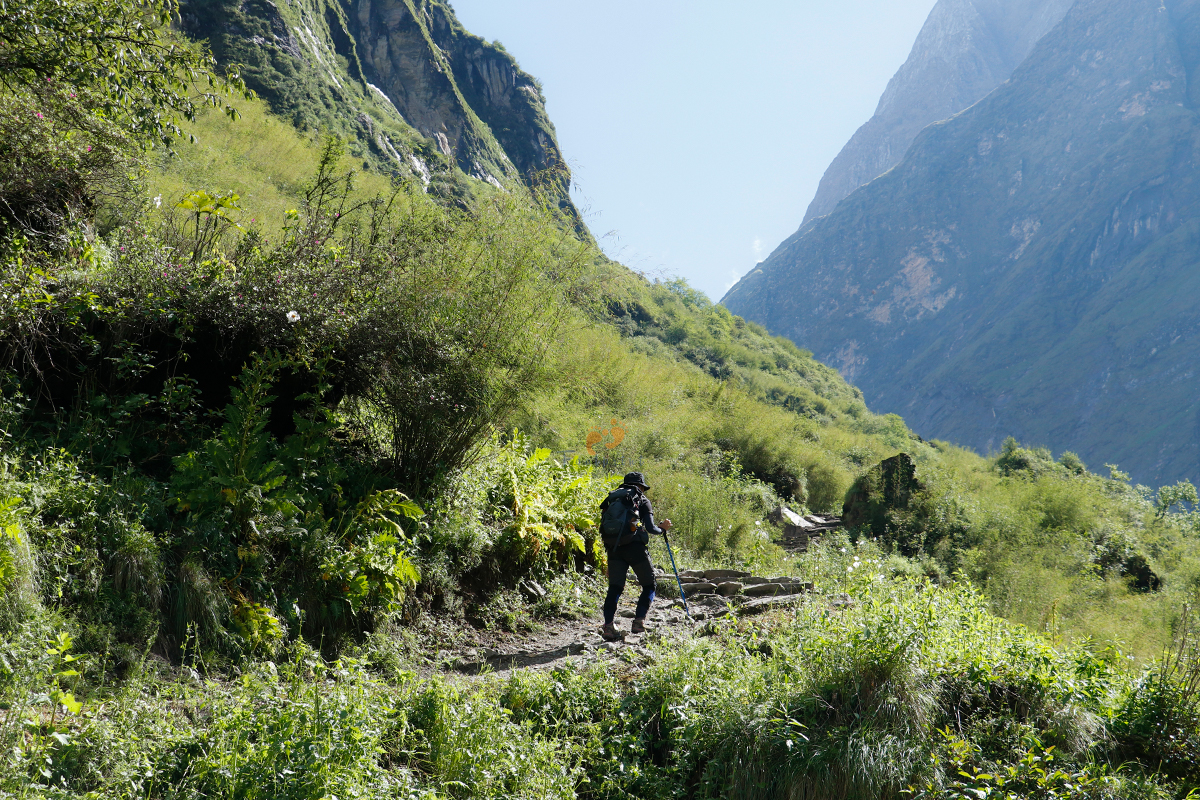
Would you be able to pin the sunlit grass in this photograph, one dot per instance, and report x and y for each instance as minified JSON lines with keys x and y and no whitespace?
{"x":260,"y":157}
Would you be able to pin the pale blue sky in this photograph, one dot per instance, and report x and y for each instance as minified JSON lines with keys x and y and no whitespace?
{"x":698,"y":131}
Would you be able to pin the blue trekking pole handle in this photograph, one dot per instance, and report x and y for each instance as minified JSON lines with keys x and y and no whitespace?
{"x":678,"y":582}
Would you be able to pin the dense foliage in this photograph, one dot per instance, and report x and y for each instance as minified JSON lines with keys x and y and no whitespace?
{"x":907,"y":690}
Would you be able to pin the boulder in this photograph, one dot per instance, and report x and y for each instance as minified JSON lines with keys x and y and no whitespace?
{"x":699,"y":589}
{"x":891,"y":503}
{"x":785,"y":516}
{"x":692,"y":573}
{"x":532,"y":590}
{"x":1143,"y":577}
{"x":729,"y":588}
{"x":771,"y":589}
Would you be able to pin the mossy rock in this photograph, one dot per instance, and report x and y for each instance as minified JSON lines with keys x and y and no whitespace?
{"x":889,"y":502}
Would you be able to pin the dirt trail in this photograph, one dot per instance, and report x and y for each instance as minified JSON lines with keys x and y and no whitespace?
{"x":579,"y":641}
{"x":711,"y":593}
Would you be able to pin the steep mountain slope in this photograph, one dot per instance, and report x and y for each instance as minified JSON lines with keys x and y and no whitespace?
{"x":1030,"y":267}
{"x":416,"y":93}
{"x":966,"y":49}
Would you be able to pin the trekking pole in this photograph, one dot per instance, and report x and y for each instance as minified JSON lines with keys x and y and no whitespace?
{"x":678,"y":582}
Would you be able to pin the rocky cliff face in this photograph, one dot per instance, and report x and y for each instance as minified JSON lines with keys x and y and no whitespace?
{"x":414,"y":91}
{"x":966,"y":49}
{"x":1031,"y":266}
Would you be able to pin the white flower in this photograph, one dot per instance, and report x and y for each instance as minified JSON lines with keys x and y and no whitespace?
{"x":157,"y":200}
{"x":293,"y":316}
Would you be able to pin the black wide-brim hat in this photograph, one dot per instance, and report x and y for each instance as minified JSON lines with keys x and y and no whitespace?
{"x":635,"y":479}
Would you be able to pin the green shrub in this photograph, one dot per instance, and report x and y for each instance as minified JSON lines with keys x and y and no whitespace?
{"x":1072,"y":463}
{"x":88,"y":83}
{"x":548,"y":512}
{"x":827,"y":486}
{"x":1014,"y":459}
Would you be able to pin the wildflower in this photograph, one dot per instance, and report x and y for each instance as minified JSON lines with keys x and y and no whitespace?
{"x":157,"y":200}
{"x":293,"y":316}
{"x":39,"y":115}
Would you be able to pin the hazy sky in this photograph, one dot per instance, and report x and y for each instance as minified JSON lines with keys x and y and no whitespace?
{"x":697,"y":131}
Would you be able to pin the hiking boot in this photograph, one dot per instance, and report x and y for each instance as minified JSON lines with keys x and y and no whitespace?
{"x":610,"y":633}
{"x":638,"y":626}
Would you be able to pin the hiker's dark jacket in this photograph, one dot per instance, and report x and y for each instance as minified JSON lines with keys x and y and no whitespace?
{"x":645,"y":513}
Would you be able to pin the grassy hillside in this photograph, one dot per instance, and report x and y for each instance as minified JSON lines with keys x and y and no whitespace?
{"x":413,"y":94}
{"x":259,"y":465}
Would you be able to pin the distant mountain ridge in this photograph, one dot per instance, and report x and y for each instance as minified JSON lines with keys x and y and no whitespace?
{"x":1032,"y":265}
{"x":965,"y":49}
{"x":413,"y":91}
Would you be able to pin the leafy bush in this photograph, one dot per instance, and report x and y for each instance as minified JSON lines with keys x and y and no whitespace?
{"x":1014,"y":459}
{"x":87,"y":83}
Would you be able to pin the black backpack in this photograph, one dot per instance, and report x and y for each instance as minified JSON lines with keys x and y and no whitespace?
{"x":620,"y":516}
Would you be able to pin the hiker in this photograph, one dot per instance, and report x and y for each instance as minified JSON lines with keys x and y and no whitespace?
{"x":626,"y":522}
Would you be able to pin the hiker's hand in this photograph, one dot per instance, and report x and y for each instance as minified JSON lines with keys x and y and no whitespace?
{"x":665,"y":524}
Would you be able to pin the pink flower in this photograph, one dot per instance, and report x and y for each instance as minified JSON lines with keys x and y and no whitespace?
{"x":39,"y":115}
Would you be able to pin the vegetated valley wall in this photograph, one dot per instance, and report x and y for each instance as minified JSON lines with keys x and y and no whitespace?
{"x":1030,"y":267}
{"x":966,"y":49}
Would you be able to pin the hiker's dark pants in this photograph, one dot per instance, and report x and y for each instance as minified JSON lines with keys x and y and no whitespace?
{"x":620,"y":559}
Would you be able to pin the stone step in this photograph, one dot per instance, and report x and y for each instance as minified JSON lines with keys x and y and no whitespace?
{"x":765,"y":604}
{"x":771,"y":589}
